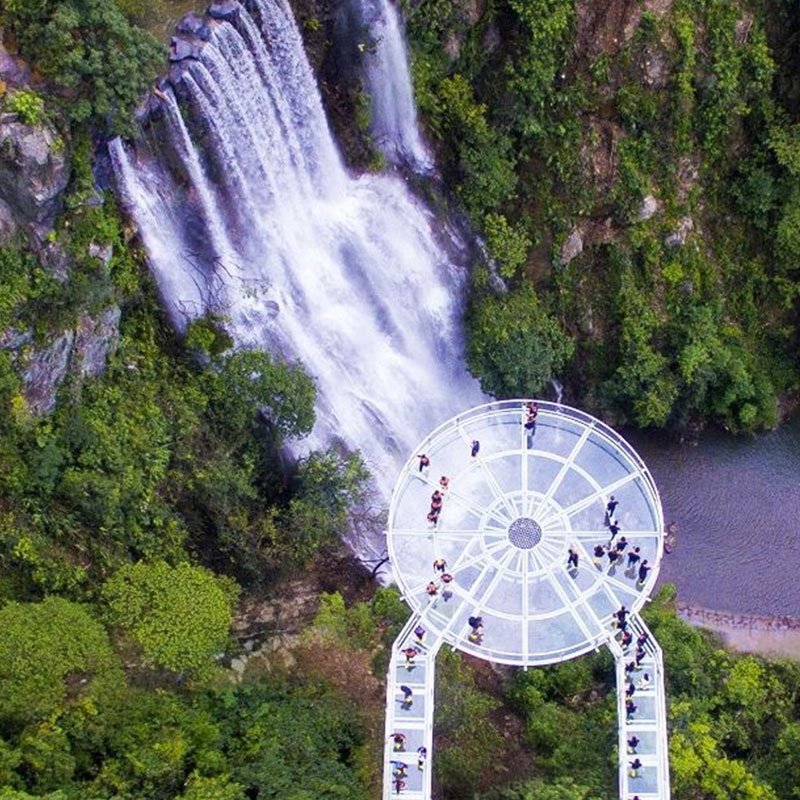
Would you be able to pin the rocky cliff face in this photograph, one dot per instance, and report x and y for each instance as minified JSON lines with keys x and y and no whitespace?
{"x":34,"y":175}
{"x":34,"y":171}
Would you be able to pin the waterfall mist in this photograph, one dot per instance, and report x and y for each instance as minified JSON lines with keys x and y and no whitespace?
{"x":246,"y":209}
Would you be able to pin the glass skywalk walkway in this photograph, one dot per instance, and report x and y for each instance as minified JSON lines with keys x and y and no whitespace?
{"x":490,"y":573}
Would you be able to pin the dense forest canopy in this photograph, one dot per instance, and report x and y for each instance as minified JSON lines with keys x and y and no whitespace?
{"x":635,"y":163}
{"x":633,"y":170}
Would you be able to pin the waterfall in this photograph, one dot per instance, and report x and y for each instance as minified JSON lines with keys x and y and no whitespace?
{"x":245,"y":209}
{"x":558,"y":388}
{"x":394,"y":115}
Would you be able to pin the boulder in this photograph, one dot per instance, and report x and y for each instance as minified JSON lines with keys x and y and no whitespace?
{"x":224,"y":9}
{"x":102,"y":252}
{"x":181,"y":49}
{"x":34,"y":170}
{"x":14,"y":72}
{"x":572,"y":247}
{"x":647,"y":209}
{"x":195,"y":27}
{"x":55,"y":260}
{"x":8,"y":225}
{"x":679,"y":235}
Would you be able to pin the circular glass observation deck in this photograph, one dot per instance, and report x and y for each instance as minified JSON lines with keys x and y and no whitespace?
{"x":508,"y":519}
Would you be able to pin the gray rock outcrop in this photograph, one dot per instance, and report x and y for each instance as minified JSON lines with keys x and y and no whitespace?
{"x":34,"y":171}
{"x":83,"y":352}
{"x":647,"y":209}
{"x":96,"y":340}
{"x":14,"y":72}
{"x":572,"y":247}
{"x":679,"y":235}
{"x":44,"y":371}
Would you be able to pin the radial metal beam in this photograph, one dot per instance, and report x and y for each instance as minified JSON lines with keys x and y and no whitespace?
{"x":565,"y":467}
{"x":589,"y":499}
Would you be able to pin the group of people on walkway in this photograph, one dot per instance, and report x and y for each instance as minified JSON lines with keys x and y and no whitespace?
{"x":400,"y":768}
{"x":437,"y":501}
{"x":445,"y":581}
{"x":638,"y":567}
{"x":437,"y":498}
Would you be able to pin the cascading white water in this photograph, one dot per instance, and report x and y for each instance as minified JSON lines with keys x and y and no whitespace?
{"x":245,"y":209}
{"x":394,"y":116}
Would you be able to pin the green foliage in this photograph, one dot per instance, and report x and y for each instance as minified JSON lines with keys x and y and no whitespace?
{"x":328,"y":485}
{"x":507,"y":244}
{"x":207,"y":336}
{"x":571,"y":732}
{"x":179,"y":616}
{"x":216,"y":788}
{"x":545,"y":35}
{"x":292,"y":743}
{"x":515,"y":346}
{"x":698,"y":764}
{"x":250,"y":382}
{"x":683,"y":107}
{"x":560,"y":789}
{"x":27,"y":103}
{"x":731,"y":716}
{"x":469,"y":746}
{"x":97,"y":63}
{"x":361,"y":625}
{"x":51,"y":653}
{"x":485,"y":163}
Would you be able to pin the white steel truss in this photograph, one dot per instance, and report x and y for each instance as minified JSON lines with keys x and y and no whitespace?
{"x":510,"y":516}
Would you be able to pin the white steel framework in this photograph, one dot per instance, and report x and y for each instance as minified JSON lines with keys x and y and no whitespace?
{"x":513,"y":508}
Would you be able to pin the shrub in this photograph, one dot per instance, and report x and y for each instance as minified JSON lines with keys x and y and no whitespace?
{"x":515,"y":346}
{"x":98,"y":64}
{"x":179,"y":616}
{"x":28,"y":104}
{"x":50,"y":653}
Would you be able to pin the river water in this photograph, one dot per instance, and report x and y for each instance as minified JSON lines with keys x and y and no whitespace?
{"x":736,"y":502}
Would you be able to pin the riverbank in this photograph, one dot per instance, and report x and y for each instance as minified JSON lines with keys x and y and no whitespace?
{"x":778,"y":637}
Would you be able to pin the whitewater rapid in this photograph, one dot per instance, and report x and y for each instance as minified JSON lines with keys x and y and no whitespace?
{"x":246,"y":209}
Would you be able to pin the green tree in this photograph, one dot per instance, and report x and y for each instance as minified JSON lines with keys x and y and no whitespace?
{"x":559,"y":789}
{"x":251,"y":382}
{"x":328,"y":486}
{"x":697,"y":764}
{"x":293,"y":742}
{"x":179,"y":616}
{"x":216,"y":788}
{"x":508,"y":244}
{"x":51,"y":653}
{"x":98,"y":63}
{"x":145,"y":743}
{"x":515,"y":346}
{"x":469,"y":743}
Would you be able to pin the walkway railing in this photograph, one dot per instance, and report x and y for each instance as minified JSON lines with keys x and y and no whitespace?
{"x":648,"y":722}
{"x":414,"y":721}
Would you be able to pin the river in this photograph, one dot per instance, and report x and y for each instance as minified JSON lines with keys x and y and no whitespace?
{"x":736,"y":502}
